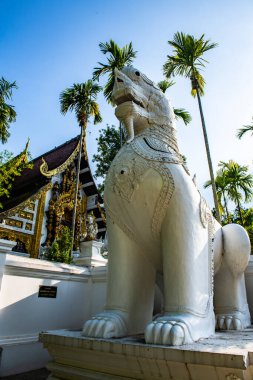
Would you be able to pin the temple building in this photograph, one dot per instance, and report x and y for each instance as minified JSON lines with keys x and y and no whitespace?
{"x":41,"y":201}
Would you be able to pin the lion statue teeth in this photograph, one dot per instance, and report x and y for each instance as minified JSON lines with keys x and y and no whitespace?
{"x":160,"y":227}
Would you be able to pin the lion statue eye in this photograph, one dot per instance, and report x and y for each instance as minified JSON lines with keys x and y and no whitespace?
{"x":137,"y":73}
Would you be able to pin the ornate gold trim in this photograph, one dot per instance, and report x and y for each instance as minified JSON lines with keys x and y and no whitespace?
{"x":38,"y":226}
{"x":101,"y":212}
{"x":49,"y":173}
{"x":14,"y":235}
{"x":24,"y":204}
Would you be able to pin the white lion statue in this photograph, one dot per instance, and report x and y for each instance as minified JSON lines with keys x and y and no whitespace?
{"x":158,"y":224}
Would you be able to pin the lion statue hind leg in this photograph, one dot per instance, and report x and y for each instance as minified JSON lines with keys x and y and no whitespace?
{"x":230,"y":300}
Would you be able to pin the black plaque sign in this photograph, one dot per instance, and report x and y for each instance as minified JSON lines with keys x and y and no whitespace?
{"x":47,"y":291}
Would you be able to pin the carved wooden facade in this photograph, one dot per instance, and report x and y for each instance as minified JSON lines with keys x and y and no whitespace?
{"x":61,"y":206}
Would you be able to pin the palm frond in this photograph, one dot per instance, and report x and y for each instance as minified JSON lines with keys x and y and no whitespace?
{"x":117,"y":58}
{"x":101,"y":70}
{"x":165,"y":84}
{"x":207,"y":184}
{"x":182,"y":114}
{"x":6,"y":89}
{"x":246,"y":128}
{"x":7,"y":111}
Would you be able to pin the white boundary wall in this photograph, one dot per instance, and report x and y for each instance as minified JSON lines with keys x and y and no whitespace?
{"x":23,"y":315}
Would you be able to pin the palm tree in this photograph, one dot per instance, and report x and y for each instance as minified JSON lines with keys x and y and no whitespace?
{"x":180,"y":113}
{"x":222,"y":186}
{"x":7,"y":112}
{"x":118,"y":58}
{"x":81,"y":98}
{"x":245,"y":129}
{"x":186,"y":61}
{"x":239,"y":182}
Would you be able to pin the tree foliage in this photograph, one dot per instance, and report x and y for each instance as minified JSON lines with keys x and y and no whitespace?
{"x":10,"y":168}
{"x":245,"y":218}
{"x":165,"y":84}
{"x":240,"y":183}
{"x":60,"y":251}
{"x":222,"y":186}
{"x":108,"y":147}
{"x":245,"y":129}
{"x":180,"y":113}
{"x":187,"y":61}
{"x":7,"y":112}
{"x":81,"y":98}
{"x":187,"y":58}
{"x":233,"y":183}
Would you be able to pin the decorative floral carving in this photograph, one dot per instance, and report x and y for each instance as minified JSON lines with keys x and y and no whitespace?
{"x":232,"y":376}
{"x":204,"y":212}
{"x":125,"y":175}
{"x":151,"y":149}
{"x":23,"y":239}
{"x":101,"y":212}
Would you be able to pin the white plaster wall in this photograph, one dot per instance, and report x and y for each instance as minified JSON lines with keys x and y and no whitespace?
{"x":23,"y":315}
{"x":97,"y":291}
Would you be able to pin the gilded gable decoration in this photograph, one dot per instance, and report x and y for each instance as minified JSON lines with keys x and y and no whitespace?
{"x":49,"y":173}
{"x":27,"y":204}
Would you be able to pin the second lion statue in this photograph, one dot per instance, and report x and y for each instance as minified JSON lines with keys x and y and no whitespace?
{"x":158,"y":224}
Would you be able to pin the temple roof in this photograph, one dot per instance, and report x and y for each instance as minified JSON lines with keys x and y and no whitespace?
{"x":32,"y":180}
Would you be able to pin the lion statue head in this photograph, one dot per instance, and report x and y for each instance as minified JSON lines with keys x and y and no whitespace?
{"x":140,"y":103}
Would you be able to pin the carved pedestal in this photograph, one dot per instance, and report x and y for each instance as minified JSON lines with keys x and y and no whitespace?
{"x":90,"y":254}
{"x":225,"y":356}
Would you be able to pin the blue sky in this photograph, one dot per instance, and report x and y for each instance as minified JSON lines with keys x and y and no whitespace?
{"x":47,"y":45}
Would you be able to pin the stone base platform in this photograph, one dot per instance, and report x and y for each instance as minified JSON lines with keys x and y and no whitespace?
{"x":224,"y":356}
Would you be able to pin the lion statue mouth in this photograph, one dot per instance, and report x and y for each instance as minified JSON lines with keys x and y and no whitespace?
{"x":127,"y":97}
{"x":123,"y":93}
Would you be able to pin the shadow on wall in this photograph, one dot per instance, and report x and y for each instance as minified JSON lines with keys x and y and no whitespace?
{"x":33,"y":314}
